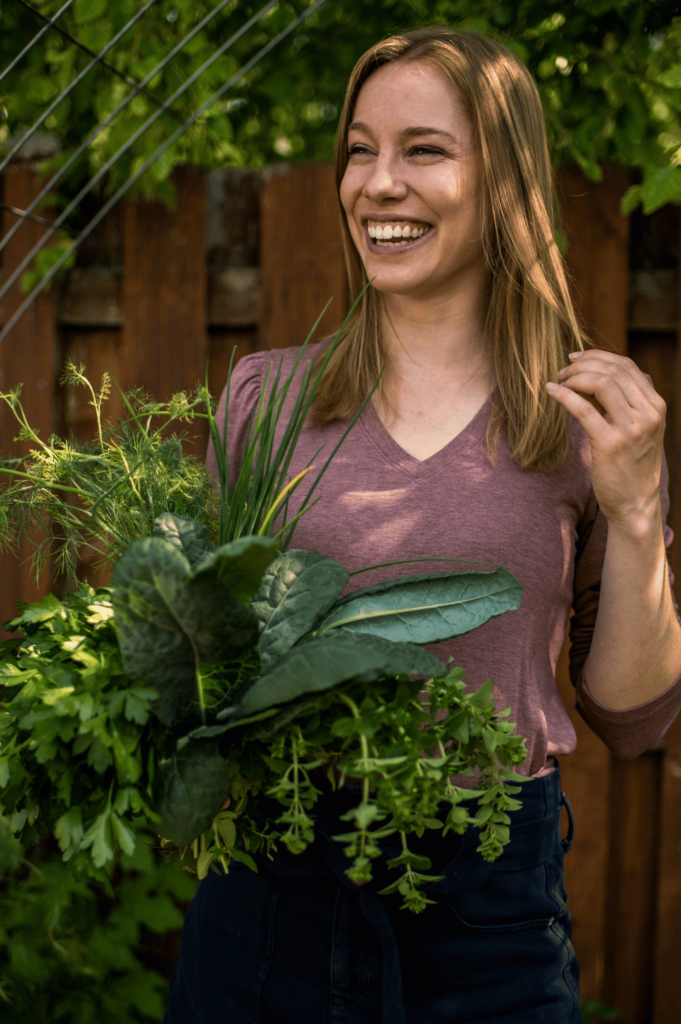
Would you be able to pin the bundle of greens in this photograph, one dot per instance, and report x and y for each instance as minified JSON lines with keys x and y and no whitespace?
{"x":212,"y":675}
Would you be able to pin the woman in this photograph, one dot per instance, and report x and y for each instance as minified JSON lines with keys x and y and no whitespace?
{"x":485,"y":441}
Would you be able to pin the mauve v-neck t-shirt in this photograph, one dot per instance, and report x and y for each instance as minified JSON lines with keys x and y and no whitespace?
{"x":377,"y":504}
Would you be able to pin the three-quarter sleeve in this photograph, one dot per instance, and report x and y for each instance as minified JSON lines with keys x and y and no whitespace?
{"x":244,"y":393}
{"x":627,"y":732}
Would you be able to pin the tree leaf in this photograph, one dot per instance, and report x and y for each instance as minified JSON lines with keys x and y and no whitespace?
{"x":297,"y":589}
{"x":195,"y":783}
{"x":322,"y":663}
{"x":240,"y":565}
{"x":427,"y":608}
{"x":186,"y":535}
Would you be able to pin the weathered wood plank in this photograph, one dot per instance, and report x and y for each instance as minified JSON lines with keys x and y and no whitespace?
{"x":598,"y":251}
{"x":632,"y":880}
{"x":26,"y":355}
{"x":164,"y":290}
{"x":598,"y":260}
{"x":667,"y":996}
{"x":654,"y":300}
{"x":221,"y":346}
{"x":585,"y":777}
{"x":302,"y":255}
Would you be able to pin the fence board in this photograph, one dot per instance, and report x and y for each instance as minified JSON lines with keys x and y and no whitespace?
{"x":598,"y":251}
{"x":301,"y":254}
{"x":164,"y":290}
{"x":27,"y":355}
{"x":667,"y":988}
{"x":597,"y":257}
{"x":632,"y":880}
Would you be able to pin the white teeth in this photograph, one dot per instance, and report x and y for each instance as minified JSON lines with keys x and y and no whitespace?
{"x":390,"y":232}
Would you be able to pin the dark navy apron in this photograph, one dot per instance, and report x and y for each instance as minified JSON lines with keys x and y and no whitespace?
{"x":298,"y":943}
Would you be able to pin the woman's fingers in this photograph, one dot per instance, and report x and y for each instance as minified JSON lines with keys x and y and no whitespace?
{"x":615,"y":397}
{"x":632,"y":381}
{"x":581,"y":408}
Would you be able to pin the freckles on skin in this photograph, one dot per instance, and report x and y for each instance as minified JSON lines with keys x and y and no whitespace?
{"x":413,"y":162}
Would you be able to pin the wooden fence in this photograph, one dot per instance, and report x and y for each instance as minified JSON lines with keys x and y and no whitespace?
{"x":248,"y":259}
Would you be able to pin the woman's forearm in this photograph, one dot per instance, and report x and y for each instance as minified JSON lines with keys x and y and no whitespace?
{"x":636,"y":648}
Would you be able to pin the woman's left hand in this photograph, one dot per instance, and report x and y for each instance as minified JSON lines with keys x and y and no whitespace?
{"x":624,"y":418}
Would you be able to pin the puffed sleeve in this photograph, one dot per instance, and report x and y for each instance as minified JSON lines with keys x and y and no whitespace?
{"x":630,"y":731}
{"x":244,"y":392}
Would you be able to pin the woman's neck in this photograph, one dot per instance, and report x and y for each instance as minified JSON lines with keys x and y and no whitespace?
{"x":436,"y":343}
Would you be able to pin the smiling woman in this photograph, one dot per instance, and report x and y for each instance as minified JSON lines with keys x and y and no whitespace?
{"x":484,"y":441}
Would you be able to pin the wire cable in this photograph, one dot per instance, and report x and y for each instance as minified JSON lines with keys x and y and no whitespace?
{"x":55,"y":103}
{"x":159,"y":152}
{"x":100,"y":128}
{"x":35,"y":39}
{"x":129,"y":142}
{"x":91,"y":53}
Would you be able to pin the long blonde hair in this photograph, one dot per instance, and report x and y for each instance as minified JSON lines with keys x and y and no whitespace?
{"x":531,"y":322}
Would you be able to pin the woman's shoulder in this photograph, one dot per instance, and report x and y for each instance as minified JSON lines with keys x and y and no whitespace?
{"x":251,"y":372}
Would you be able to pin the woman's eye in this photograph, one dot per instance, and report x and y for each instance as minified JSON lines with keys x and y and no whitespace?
{"x":424,"y":151}
{"x":357,"y":150}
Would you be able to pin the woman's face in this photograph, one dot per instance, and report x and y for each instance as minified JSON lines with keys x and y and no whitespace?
{"x":411,"y":188}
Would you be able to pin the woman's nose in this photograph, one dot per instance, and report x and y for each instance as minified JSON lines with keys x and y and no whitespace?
{"x":385,"y":182}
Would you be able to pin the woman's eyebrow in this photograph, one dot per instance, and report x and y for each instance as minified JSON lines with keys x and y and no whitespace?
{"x":406,"y":133}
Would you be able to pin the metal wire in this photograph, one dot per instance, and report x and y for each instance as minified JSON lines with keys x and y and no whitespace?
{"x":91,"y":53}
{"x":36,"y":38}
{"x":159,"y":152}
{"x":112,"y":160}
{"x":74,"y":83}
{"x":98,"y":130}
{"x":25,"y":215}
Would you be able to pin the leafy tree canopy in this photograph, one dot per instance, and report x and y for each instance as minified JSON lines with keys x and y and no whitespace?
{"x":609,"y":73}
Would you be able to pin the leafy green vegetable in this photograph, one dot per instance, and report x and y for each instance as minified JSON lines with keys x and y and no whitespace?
{"x":171,"y":622}
{"x":190,"y":537}
{"x":257,"y":647}
{"x":194,"y":783}
{"x":325,"y":662}
{"x":296,"y":590}
{"x":427,"y":608}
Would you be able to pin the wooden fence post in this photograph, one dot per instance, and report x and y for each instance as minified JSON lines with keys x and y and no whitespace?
{"x":301,"y":254}
{"x":28,"y":355}
{"x":667,"y":948}
{"x":598,"y":259}
{"x":164,"y":291}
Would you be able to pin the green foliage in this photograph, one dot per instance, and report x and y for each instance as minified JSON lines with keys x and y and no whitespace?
{"x":71,"y":954}
{"x":79,"y":745}
{"x":64,"y":498}
{"x":609,"y":73}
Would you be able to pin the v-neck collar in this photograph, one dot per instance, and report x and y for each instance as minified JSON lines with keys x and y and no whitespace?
{"x":472,"y":434}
